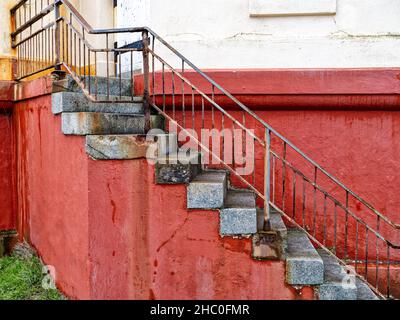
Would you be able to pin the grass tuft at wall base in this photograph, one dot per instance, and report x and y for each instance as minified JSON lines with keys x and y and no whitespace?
{"x":21,"y":279}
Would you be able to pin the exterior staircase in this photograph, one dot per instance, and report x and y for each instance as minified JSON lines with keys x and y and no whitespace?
{"x":114,"y":121}
{"x":116,"y":132}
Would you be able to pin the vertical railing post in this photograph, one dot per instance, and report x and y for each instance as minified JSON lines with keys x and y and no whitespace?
{"x":267,"y":177}
{"x":15,"y":60}
{"x":146,"y":71}
{"x":57,"y":39}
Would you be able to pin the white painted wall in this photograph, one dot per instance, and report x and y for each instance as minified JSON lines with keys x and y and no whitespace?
{"x":131,"y":14}
{"x":222,"y":34}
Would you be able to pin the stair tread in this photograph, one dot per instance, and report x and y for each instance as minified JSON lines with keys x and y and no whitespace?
{"x":240,"y":199}
{"x":210,"y":177}
{"x":304,"y":266}
{"x":113,"y":85}
{"x":110,"y":114}
{"x":177,"y":157}
{"x":277,"y":224}
{"x":126,"y":99}
{"x":334,"y":272}
{"x":364,"y":292}
{"x":300,"y":246}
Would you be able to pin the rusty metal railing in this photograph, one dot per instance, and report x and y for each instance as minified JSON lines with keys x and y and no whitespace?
{"x":336,"y":218}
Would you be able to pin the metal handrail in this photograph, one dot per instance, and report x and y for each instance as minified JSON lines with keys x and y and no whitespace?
{"x":265,"y":141}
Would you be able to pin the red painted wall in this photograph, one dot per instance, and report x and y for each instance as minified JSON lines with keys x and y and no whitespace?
{"x":118,"y":238}
{"x":144,"y":245}
{"x":106,"y":229}
{"x":7,"y":194}
{"x":53,"y":193}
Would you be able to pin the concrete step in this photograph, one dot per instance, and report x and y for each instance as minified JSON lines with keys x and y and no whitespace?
{"x":207,"y":190}
{"x":239,"y":215}
{"x":364,"y":292}
{"x":178,"y":168}
{"x":77,"y":102}
{"x":116,"y":147}
{"x":338,"y":284}
{"x":69,"y":84}
{"x":94,"y":123}
{"x":125,"y":147}
{"x":304,"y":266}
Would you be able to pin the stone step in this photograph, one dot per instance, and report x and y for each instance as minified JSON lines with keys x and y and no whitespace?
{"x":239,"y":215}
{"x":364,"y":292}
{"x":207,"y":190}
{"x":77,"y":102}
{"x":338,"y":284}
{"x":125,"y":147}
{"x":304,"y":266}
{"x":95,"y":123}
{"x":69,"y":84}
{"x":178,"y":168}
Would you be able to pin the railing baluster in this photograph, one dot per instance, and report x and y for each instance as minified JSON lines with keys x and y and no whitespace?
{"x":193,"y":113}
{"x":267,"y":177}
{"x":183,"y":95}
{"x":377,"y":255}
{"x":366,"y":251}
{"x":107,"y":66}
{"x":304,"y":203}
{"x":163,"y":86}
{"x":294,"y":195}
{"x":131,"y":77}
{"x":284,"y":175}
{"x":273,"y":178}
{"x":202,"y":113}
{"x":212,"y":109}
{"x":346,"y":226}
{"x":335,"y":228}
{"x":356,"y":249}
{"x":120,"y":73}
{"x":96,"y":84}
{"x":315,"y":202}
{"x":173,"y":95}
{"x":89,"y":72}
{"x":388,"y":287}
{"x":325,"y":221}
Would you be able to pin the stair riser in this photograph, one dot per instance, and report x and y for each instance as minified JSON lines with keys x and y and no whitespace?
{"x":304,"y":266}
{"x":336,"y":292}
{"x":113,"y":88}
{"x":206,"y":195}
{"x":304,"y":272}
{"x":176,"y":173}
{"x":100,"y":123}
{"x":72,"y":102}
{"x":238,"y":221}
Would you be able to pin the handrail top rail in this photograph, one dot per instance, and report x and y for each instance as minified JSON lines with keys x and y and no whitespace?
{"x":91,"y":30}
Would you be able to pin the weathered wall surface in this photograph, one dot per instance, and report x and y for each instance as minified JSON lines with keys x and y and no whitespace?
{"x":108,"y":232}
{"x":144,"y":245}
{"x":52,"y":193}
{"x":7,"y":191}
{"x":222,"y":34}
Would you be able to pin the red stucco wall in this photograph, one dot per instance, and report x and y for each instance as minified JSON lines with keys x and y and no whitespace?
{"x":53,"y":193}
{"x":144,"y":244}
{"x":7,"y":194}
{"x":111,"y":233}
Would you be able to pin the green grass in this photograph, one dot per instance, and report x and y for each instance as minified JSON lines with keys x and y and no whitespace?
{"x":21,"y":279}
